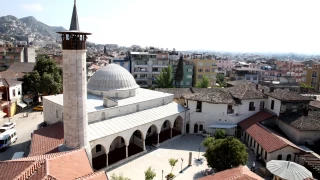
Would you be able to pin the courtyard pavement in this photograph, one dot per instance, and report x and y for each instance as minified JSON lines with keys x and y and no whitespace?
{"x":158,"y":160}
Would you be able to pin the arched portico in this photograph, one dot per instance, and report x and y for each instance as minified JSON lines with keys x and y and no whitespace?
{"x":152,"y":136}
{"x":177,"y":126}
{"x":166,"y":131}
{"x":118,"y":150}
{"x":99,"y":157}
{"x":136,"y":143}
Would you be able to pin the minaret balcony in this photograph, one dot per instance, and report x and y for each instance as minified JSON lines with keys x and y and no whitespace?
{"x":73,"y":45}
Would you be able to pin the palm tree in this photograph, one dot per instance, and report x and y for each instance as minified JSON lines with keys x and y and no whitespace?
{"x":118,"y":177}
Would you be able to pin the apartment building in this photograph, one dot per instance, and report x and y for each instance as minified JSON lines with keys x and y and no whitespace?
{"x":187,"y":74}
{"x":225,"y":65}
{"x":145,"y":66}
{"x":311,"y":76}
{"x":292,"y":68}
{"x":204,"y":67}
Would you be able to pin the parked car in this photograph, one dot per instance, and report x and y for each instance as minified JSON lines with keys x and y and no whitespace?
{"x":2,"y":130}
{"x":7,"y":138}
{"x":9,"y":125}
{"x":38,"y":108}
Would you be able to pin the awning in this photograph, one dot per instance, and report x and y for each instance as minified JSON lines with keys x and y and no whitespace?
{"x":22,"y":104}
{"x":222,"y":126}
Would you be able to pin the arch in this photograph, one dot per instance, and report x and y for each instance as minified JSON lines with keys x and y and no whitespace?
{"x":136,"y":143}
{"x":289,"y":157}
{"x":195,"y":128}
{"x":117,"y":150}
{"x":151,"y":135}
{"x":200,"y":127}
{"x":165,"y":132}
{"x":177,"y":126}
{"x":99,"y":157}
{"x":279,"y":157}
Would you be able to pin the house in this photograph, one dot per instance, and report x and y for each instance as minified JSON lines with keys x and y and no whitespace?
{"x":237,"y":173}
{"x":204,"y":67}
{"x":11,"y":100}
{"x":246,"y":73}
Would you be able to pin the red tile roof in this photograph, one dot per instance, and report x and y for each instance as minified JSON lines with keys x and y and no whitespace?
{"x":267,"y":139}
{"x":258,"y":117}
{"x":238,"y":173}
{"x":100,"y":175}
{"x":47,"y":139}
{"x":63,"y":165}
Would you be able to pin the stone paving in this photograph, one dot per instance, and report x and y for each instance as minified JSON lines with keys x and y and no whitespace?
{"x":158,"y":160}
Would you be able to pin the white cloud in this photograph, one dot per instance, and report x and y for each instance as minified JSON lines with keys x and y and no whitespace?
{"x":32,"y":7}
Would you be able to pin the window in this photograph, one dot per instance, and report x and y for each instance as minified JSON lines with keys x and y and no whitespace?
{"x":98,"y":148}
{"x":272,"y":104}
{"x":200,"y":64}
{"x":199,"y":106}
{"x":208,"y":64}
{"x":207,"y":70}
{"x":189,"y":76}
{"x":195,"y":128}
{"x":251,"y":106}
{"x":213,"y":69}
{"x":289,"y":157}
{"x":201,"y":127}
{"x":19,"y":91}
{"x":200,"y":70}
{"x":199,"y":76}
{"x":189,"y":70}
{"x":261,"y":105}
{"x":14,"y":93}
{"x":279,"y":157}
{"x":229,"y":110}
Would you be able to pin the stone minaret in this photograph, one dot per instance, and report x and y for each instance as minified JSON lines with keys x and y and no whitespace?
{"x":75,"y":120}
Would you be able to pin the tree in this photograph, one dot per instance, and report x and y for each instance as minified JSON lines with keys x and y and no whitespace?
{"x":226,"y":153}
{"x":179,"y":72}
{"x":207,"y":141}
{"x":46,"y":77}
{"x":118,"y":177}
{"x":220,"y":134}
{"x":164,"y":80}
{"x":221,"y":81}
{"x":204,"y":83}
{"x":149,"y":174}
{"x":172,"y":163}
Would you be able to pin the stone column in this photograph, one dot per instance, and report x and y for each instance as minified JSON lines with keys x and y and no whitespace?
{"x":144,"y":145}
{"x":126,"y":151}
{"x":107,"y":160}
{"x":170,"y":133}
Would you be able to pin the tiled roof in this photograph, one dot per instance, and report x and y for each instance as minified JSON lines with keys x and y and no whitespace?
{"x":211,"y":95}
{"x":284,"y":95}
{"x":178,"y":92}
{"x":267,"y":139}
{"x":248,"y":90}
{"x":258,"y":117}
{"x":238,"y":173}
{"x":12,"y":74}
{"x":315,"y":104}
{"x":100,"y":175}
{"x":66,"y":165}
{"x":21,"y":67}
{"x":47,"y":139}
{"x":301,"y":122}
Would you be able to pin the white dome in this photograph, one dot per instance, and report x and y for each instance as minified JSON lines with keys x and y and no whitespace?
{"x":112,"y":77}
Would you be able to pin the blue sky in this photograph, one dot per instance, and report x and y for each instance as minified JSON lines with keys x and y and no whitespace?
{"x":228,"y":25}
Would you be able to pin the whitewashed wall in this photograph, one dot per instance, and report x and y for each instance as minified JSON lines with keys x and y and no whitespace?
{"x":15,"y":88}
{"x":52,"y":112}
{"x":277,"y":105}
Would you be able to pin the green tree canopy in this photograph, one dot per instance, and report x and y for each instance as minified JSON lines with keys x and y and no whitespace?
{"x":179,"y":72}
{"x":207,"y":141}
{"x":118,"y":177}
{"x":220,"y":80}
{"x":303,"y":85}
{"x":219,"y":134}
{"x":226,"y":153}
{"x":46,"y":77}
{"x":165,"y":80}
{"x":204,"y":83}
{"x":149,"y":174}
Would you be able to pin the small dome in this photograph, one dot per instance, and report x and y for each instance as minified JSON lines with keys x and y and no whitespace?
{"x":112,"y":77}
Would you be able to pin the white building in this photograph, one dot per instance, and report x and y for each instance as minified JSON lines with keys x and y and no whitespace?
{"x":123,"y":119}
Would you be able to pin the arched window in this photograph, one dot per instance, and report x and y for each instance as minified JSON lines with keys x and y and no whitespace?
{"x":201,"y":127}
{"x":98,"y":148}
{"x":289,"y":157}
{"x":279,"y":157}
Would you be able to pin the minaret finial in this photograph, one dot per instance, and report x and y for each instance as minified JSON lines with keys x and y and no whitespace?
{"x":74,"y":20}
{"x":74,"y":1}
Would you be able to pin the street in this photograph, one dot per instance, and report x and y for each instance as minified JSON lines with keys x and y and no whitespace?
{"x":25,"y":126}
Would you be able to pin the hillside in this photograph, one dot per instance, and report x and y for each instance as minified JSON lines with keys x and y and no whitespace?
{"x":19,"y":29}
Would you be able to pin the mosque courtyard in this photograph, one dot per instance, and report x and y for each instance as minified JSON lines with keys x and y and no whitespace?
{"x":158,"y":160}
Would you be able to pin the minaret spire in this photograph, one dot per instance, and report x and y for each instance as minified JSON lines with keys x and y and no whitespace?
{"x":74,"y":26}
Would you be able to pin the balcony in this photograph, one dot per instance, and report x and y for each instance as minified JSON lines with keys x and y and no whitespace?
{"x":141,"y":65}
{"x":159,"y":66}
{"x":314,"y":75}
{"x":156,"y":72}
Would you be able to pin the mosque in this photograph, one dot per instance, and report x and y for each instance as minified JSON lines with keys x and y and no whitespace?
{"x":111,"y":117}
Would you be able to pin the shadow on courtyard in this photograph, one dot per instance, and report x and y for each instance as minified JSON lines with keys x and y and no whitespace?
{"x":188,"y":142}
